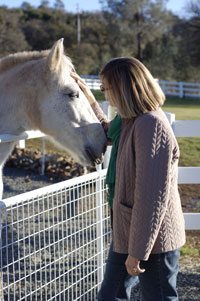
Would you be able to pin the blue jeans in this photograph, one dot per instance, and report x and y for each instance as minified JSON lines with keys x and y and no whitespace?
{"x":117,"y":283}
{"x":158,"y":282}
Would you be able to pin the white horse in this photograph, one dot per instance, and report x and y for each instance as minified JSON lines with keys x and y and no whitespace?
{"x":37,"y":92}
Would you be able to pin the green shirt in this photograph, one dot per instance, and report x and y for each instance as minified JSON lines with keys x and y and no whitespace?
{"x":114,"y":135}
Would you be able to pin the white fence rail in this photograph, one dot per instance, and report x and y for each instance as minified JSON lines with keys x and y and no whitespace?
{"x":54,"y":239}
{"x":179,"y":89}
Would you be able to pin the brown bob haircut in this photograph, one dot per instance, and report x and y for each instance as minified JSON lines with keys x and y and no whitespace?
{"x":130,"y":87}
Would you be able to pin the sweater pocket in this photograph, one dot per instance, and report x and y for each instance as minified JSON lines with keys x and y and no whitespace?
{"x":125,"y":212}
{"x":122,"y":227}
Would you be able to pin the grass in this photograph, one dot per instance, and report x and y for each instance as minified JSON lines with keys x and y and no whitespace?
{"x":188,"y":250}
{"x":191,"y":248}
{"x":190,"y":150}
{"x":184,"y":109}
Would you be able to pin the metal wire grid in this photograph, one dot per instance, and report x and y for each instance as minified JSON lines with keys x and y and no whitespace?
{"x":54,"y":244}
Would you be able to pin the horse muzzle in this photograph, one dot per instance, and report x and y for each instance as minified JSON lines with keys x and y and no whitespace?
{"x":94,"y":159}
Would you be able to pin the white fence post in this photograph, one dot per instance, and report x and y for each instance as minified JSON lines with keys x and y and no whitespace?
{"x":111,"y":112}
{"x":22,"y":143}
{"x":181,"y":90}
{"x":170,"y":117}
{"x":99,"y":220}
{"x":2,"y":216}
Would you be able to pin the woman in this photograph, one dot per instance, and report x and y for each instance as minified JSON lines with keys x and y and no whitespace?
{"x":148,"y":224}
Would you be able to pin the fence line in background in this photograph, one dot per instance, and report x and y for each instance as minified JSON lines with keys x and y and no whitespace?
{"x":187,"y":175}
{"x":170,"y":88}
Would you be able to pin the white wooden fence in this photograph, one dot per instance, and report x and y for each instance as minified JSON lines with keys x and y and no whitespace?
{"x":54,"y":239}
{"x":187,"y":175}
{"x":179,"y":89}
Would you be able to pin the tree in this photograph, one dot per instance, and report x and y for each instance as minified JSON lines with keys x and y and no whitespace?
{"x":12,"y":38}
{"x":92,"y":52}
{"x":44,"y":3}
{"x":42,"y":27}
{"x":193,"y":31}
{"x":193,"y":8}
{"x":26,"y":5}
{"x":167,"y":44}
{"x":159,"y":56}
{"x":140,"y":22}
{"x":59,"y":5}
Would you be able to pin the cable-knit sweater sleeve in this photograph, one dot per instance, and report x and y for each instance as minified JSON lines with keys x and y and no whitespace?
{"x":153,"y":154}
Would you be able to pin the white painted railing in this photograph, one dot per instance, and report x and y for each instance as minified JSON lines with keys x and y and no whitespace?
{"x":187,"y":175}
{"x":179,"y":89}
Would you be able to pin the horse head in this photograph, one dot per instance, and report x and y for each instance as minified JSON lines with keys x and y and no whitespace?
{"x":65,"y":114}
{"x":37,"y":92}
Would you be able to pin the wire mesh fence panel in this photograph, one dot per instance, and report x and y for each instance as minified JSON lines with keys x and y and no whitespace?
{"x":50,"y":246}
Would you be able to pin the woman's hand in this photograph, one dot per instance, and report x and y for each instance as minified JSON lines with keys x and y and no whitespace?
{"x":86,"y":90}
{"x":133,"y":266}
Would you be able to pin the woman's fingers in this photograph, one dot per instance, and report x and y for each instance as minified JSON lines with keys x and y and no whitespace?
{"x":77,"y":78}
{"x":140,"y":270}
{"x":79,"y":81}
{"x":135,"y":270}
{"x":133,"y":266}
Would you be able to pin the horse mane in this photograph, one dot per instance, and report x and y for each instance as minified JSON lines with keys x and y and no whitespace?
{"x":12,"y":60}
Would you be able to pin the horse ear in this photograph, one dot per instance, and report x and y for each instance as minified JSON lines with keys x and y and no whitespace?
{"x":55,"y":55}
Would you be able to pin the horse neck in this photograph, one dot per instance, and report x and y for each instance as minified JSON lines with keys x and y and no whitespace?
{"x":18,"y":105}
{"x":5,"y":151}
{"x":15,"y":120}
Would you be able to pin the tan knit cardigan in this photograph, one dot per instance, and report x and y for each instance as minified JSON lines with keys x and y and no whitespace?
{"x":147,"y":213}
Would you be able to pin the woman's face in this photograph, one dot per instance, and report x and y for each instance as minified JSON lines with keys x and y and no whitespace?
{"x":107,"y":90}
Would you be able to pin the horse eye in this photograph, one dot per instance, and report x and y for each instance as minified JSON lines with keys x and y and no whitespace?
{"x":73,"y":94}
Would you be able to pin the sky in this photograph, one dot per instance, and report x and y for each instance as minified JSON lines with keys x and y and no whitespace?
{"x":177,"y":6}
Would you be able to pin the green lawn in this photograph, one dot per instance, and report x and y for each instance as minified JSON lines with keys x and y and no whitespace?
{"x":186,"y":109}
{"x":183,"y":108}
